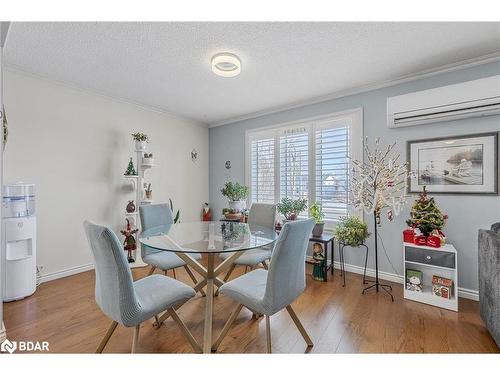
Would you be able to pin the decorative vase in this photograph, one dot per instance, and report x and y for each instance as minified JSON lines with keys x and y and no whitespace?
{"x":140,"y":145}
{"x":318,"y":229}
{"x":130,"y":207}
{"x":237,"y":206}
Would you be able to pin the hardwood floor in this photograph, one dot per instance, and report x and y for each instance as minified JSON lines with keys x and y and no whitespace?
{"x":339,"y":320}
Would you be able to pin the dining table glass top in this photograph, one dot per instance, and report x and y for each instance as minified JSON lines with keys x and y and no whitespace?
{"x":207,"y":237}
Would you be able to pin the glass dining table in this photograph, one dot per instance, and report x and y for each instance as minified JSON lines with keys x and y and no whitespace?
{"x":209,"y":239}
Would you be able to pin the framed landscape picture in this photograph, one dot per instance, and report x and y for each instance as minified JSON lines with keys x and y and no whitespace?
{"x":466,"y":164}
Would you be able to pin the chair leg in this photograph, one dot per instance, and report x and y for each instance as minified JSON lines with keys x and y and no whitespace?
{"x":151,"y":270}
{"x":165,"y":272}
{"x":173,"y":270}
{"x":229,"y":272}
{"x":106,"y":337}
{"x":228,"y":325}
{"x":195,"y":281}
{"x":268,"y":334}
{"x":135,"y":339}
{"x":185,"y":331}
{"x":299,"y":325}
{"x":264,"y":264}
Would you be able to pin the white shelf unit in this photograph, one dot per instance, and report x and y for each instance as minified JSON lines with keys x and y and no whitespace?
{"x":432,"y":261}
{"x":139,"y":182}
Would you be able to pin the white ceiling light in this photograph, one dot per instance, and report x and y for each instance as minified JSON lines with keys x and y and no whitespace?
{"x":226,"y":65}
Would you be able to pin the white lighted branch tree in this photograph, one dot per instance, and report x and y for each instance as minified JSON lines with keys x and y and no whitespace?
{"x":379,"y":183}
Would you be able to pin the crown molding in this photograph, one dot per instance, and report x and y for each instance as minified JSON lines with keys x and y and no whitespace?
{"x":145,"y":107}
{"x":463,"y":64}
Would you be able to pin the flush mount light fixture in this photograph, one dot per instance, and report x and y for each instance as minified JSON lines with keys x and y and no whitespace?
{"x":226,"y":65}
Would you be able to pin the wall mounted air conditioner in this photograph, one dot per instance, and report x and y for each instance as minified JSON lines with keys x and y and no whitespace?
{"x":480,"y":97}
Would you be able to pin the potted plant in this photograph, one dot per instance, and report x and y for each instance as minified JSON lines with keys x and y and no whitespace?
{"x":236,"y":194}
{"x":351,"y":231}
{"x":140,"y":141}
{"x":316,"y":212}
{"x":291,"y":208}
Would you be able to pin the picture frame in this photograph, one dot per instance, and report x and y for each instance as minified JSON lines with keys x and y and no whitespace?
{"x":464,"y":164}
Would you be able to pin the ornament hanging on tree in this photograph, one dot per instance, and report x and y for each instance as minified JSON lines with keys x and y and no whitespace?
{"x":425,"y":215}
{"x":390,"y":215}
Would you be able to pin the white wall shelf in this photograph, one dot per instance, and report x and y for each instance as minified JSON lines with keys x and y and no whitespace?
{"x":432,"y":261}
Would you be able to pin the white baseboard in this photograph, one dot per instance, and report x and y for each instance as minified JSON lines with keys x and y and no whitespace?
{"x":3,"y":332}
{"x":78,"y":269}
{"x":67,"y":272}
{"x":462,"y":292}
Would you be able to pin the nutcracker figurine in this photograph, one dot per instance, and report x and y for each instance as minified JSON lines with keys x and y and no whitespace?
{"x":129,"y":244}
{"x":207,"y":213}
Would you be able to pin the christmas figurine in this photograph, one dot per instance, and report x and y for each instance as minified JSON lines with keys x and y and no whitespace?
{"x":319,"y":262}
{"x":130,"y":169}
{"x":425,"y":215}
{"x":129,"y":244}
{"x":207,"y":213}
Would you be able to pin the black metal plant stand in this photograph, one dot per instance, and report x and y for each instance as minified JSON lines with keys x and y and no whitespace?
{"x":376,"y":284}
{"x":342,"y":266}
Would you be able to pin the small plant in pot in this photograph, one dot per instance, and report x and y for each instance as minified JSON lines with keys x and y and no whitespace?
{"x":316,"y":212}
{"x":351,"y":231}
{"x":140,"y":141}
{"x":236,"y":194}
{"x":291,"y":208}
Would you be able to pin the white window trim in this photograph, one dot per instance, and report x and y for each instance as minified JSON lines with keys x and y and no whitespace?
{"x":311,"y":123}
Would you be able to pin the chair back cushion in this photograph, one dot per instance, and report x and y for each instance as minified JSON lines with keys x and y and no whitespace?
{"x":114,"y":290}
{"x":286,"y":276}
{"x":262,"y":214}
{"x":155,"y":216}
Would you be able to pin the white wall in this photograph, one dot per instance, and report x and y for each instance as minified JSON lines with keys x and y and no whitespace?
{"x":75,"y":146}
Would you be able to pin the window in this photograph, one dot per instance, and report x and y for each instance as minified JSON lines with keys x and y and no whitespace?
{"x":307,"y":159}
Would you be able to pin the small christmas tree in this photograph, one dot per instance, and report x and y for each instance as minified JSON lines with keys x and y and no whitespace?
{"x":130,"y":169}
{"x":425,"y":215}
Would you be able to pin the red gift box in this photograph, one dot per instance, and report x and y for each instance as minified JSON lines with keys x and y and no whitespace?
{"x":420,"y":240}
{"x":434,"y":241}
{"x":408,"y":235}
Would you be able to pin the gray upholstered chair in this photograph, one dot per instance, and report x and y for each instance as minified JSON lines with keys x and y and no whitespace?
{"x":489,"y":279}
{"x":160,"y":216}
{"x":125,"y":301}
{"x":268,"y":291}
{"x":263,"y":215}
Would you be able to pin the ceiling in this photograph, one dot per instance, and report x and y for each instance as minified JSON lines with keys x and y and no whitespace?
{"x":167,"y":65}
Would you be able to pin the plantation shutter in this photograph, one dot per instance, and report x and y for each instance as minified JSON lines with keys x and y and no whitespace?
{"x":262,"y":170}
{"x":294,"y":163}
{"x":332,"y":168}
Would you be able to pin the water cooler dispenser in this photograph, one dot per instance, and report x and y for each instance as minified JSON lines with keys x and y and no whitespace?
{"x":19,"y":240}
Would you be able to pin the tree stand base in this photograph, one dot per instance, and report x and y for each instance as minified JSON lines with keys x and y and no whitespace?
{"x":386,"y":288}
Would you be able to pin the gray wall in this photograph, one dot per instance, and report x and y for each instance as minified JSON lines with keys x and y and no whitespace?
{"x":466,"y":213}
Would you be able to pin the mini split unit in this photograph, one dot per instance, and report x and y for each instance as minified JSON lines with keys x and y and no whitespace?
{"x":476,"y":98}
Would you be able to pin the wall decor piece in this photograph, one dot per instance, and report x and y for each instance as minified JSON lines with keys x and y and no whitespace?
{"x":228,"y":164}
{"x":194,"y":155}
{"x":466,"y":164}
